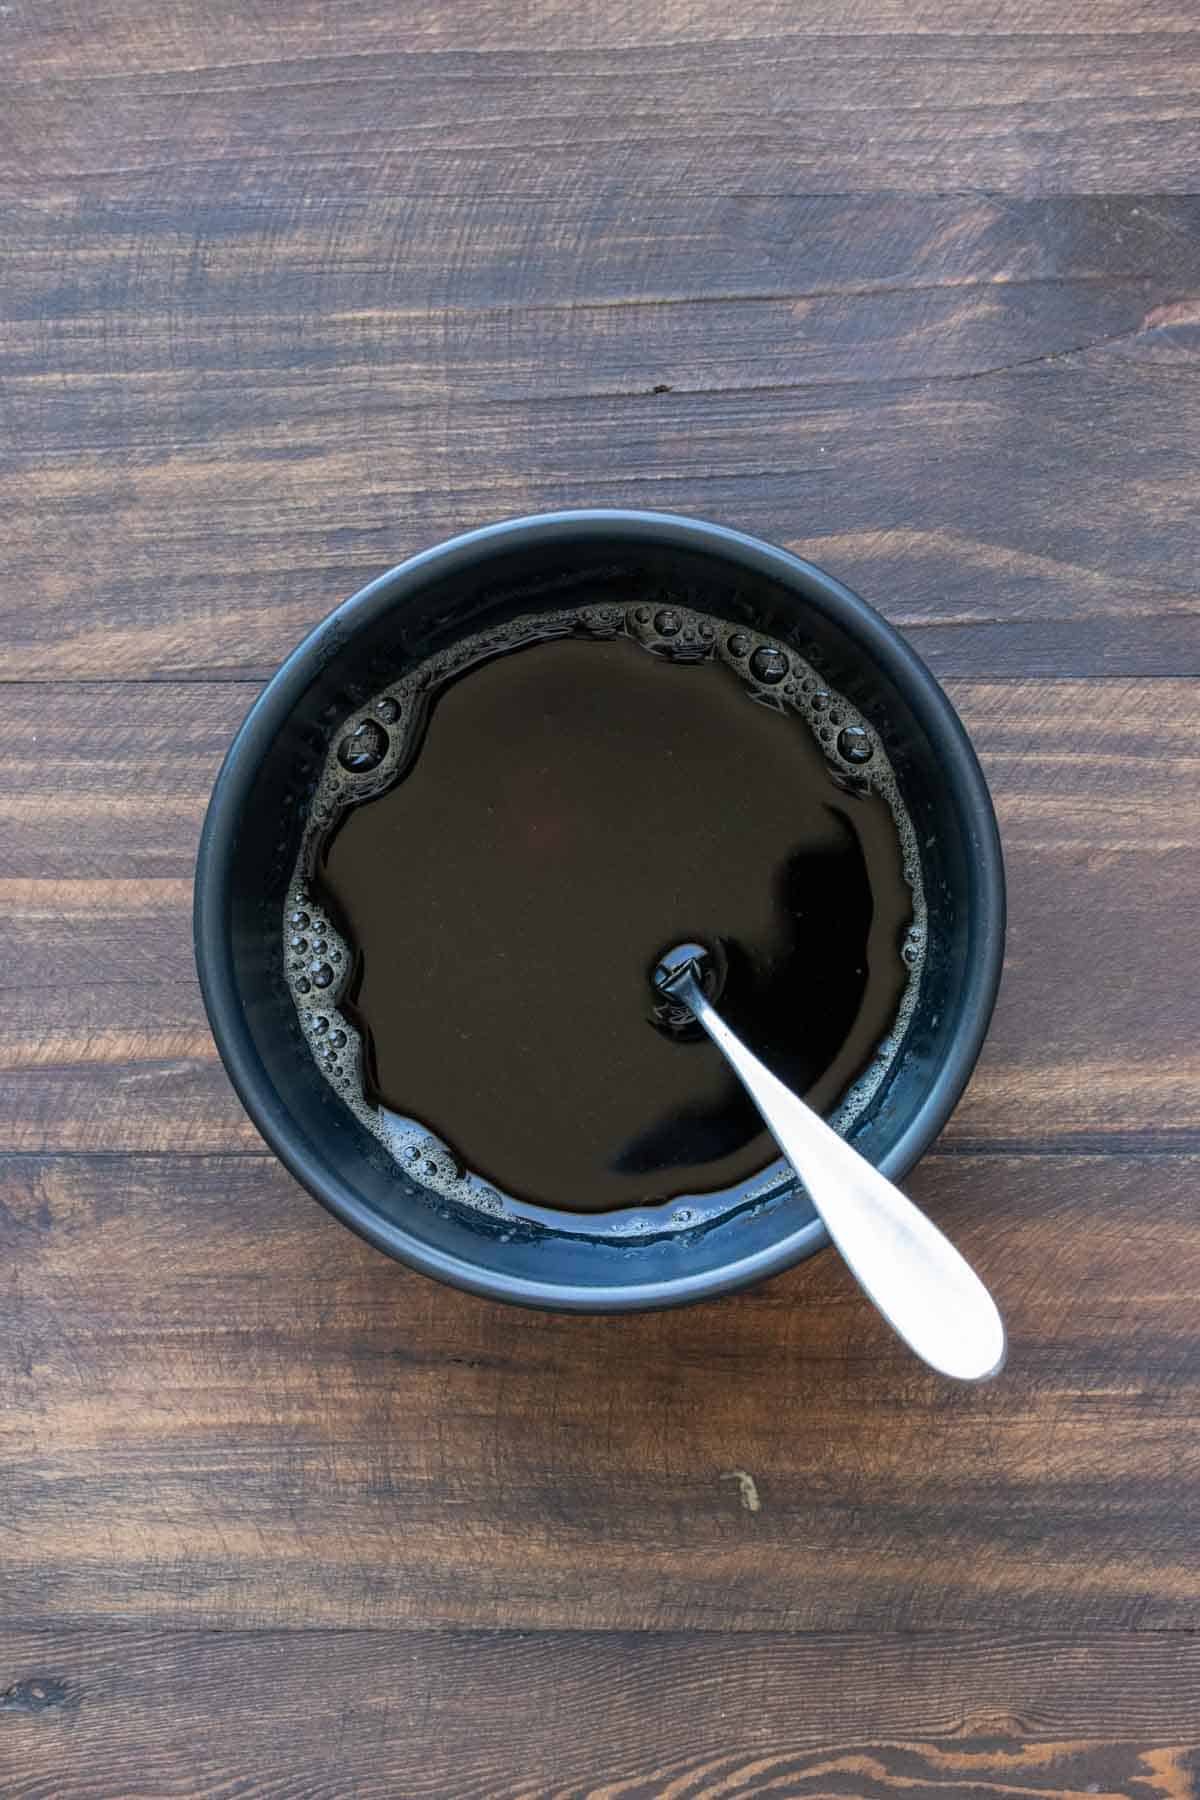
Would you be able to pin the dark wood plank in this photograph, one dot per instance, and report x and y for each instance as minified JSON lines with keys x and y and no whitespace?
{"x":282,"y":293}
{"x":782,"y":98}
{"x":981,"y":412}
{"x":1036,"y":522}
{"x":377,"y":1714}
{"x":103,"y":1040}
{"x":292,"y":292}
{"x":223,"y":1409}
{"x":233,"y":38}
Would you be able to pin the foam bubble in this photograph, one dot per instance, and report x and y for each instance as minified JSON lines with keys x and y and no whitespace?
{"x":363,"y":748}
{"x":768,"y":663}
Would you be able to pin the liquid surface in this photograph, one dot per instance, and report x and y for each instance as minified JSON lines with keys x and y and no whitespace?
{"x":569,"y":809}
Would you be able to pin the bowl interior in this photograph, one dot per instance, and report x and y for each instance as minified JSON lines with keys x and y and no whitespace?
{"x":252,"y":834}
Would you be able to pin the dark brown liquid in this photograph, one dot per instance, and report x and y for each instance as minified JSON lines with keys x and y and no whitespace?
{"x":575,"y":808}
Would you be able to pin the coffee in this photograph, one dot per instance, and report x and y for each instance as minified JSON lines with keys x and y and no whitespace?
{"x":503,"y":842}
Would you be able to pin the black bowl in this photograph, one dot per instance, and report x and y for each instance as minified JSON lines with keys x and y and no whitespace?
{"x":250,"y":839}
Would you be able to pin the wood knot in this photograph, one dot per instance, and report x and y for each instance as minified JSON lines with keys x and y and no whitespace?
{"x":39,"y":1693}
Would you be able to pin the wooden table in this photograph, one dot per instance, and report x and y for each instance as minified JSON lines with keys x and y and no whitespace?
{"x":292,"y":291}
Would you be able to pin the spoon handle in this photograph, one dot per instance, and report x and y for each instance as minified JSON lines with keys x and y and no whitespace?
{"x":926,"y":1291}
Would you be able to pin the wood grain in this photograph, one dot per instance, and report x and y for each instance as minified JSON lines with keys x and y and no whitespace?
{"x":142,"y":39}
{"x":103,"y":1041}
{"x":225,"y":1410}
{"x":225,"y":413}
{"x":235,"y":386}
{"x":507,"y":1715}
{"x":288,"y":292}
{"x":1003,"y":98}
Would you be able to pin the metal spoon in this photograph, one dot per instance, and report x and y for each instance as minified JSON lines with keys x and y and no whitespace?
{"x":925,"y":1290}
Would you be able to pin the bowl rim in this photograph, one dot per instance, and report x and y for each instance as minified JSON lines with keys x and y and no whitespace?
{"x":215,"y":870}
